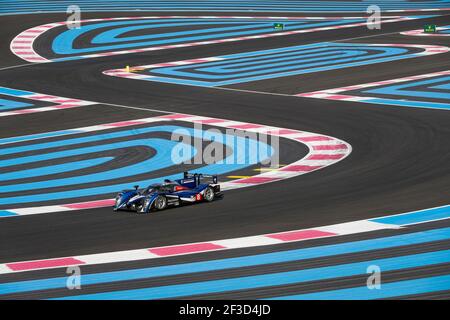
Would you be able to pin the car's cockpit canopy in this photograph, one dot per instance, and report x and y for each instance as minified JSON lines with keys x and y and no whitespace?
{"x":167,"y":186}
{"x":156,"y":187}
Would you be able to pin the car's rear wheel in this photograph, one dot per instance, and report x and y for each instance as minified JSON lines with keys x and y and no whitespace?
{"x":160,"y":203}
{"x":208,"y":195}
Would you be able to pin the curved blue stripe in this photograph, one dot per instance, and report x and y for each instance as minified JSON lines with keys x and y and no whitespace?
{"x":37,"y":136}
{"x":415,"y":217}
{"x":160,"y":160}
{"x":58,"y":168}
{"x":407,"y":103}
{"x":237,"y":160}
{"x":63,"y":43}
{"x":12,"y":105}
{"x":7,"y":214}
{"x":402,"y":89}
{"x":14,"y":92}
{"x":92,"y":138}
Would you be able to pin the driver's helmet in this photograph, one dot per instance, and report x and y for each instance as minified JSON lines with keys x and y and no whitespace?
{"x":168,"y":181}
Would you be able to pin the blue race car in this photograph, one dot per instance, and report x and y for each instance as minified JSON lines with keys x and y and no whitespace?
{"x":159,"y":196}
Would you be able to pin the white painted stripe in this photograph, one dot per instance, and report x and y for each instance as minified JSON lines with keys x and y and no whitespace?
{"x":154,"y":119}
{"x":229,"y":185}
{"x":355,"y":98}
{"x":317,"y":162}
{"x":330,"y":152}
{"x":327,"y":142}
{"x":227,"y":123}
{"x":356,"y":227}
{"x":263,"y":130}
{"x":301,"y":134}
{"x":246,"y":242}
{"x":190,"y":118}
{"x":4,"y":114}
{"x":82,"y":103}
{"x":282,"y":174}
{"x":118,"y":256}
{"x":52,"y":108}
{"x":27,"y":55}
{"x":34,"y":110}
{"x":4,"y":269}
{"x":38,"y":210}
{"x":93,"y":128}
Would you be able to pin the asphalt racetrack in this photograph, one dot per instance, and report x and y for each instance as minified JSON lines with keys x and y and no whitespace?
{"x":386,"y":152}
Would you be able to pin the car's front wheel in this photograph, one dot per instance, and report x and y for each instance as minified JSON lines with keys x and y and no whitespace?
{"x":208,"y":195}
{"x":116,"y":204}
{"x":140,"y":208}
{"x":160,"y":203}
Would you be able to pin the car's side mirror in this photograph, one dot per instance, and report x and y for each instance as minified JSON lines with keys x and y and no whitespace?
{"x":136,"y":187}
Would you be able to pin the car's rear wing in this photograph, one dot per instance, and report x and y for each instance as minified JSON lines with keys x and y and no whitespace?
{"x":198,"y":177}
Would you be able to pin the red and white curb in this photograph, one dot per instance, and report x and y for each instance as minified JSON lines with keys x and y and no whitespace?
{"x":22,"y":44}
{"x":198,"y":247}
{"x":61,"y":103}
{"x":335,"y":94}
{"x":323,"y":152}
{"x":419,"y":32}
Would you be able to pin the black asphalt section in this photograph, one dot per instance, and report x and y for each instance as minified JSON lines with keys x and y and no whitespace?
{"x":399,"y":161}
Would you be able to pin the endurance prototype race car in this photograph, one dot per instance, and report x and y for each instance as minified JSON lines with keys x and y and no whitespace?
{"x":159,"y":196}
